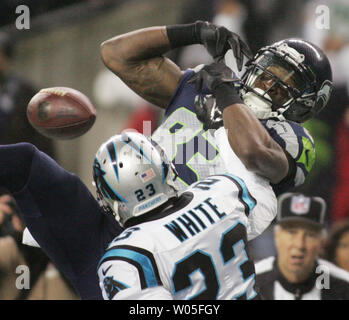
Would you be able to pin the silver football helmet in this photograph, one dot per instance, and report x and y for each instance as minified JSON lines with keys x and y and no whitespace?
{"x":132,"y":176}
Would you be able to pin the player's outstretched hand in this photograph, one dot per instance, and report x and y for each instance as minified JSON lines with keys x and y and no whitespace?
{"x":214,"y":75}
{"x":218,"y":40}
{"x":224,"y":86}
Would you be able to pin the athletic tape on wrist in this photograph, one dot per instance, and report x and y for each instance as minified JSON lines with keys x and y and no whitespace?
{"x":182,"y":35}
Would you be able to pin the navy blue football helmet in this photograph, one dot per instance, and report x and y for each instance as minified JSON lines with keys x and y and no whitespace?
{"x":290,"y":79}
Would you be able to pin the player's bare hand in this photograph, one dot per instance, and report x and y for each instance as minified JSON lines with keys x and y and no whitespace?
{"x":9,"y":213}
{"x":5,"y":209}
{"x":218,"y":40}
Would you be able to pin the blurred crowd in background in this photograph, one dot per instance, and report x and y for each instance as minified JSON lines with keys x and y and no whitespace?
{"x":259,"y":22}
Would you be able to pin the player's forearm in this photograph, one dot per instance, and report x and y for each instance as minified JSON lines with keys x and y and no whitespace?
{"x":135,"y":46}
{"x":253,"y":145}
{"x":148,"y":43}
{"x":136,"y":57}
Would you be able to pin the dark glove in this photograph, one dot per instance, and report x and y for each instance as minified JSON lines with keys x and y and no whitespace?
{"x":224,"y":85}
{"x":207,"y":112}
{"x":213,"y":76}
{"x":218,"y":40}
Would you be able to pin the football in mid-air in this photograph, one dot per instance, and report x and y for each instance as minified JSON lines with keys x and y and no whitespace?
{"x":61,"y":113}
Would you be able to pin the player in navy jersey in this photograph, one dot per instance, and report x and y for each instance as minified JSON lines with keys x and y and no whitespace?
{"x":284,"y":85}
{"x":66,"y":220}
{"x":255,"y":121}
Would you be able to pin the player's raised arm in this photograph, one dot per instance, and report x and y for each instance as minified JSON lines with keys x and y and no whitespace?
{"x":60,"y":212}
{"x":136,"y":57}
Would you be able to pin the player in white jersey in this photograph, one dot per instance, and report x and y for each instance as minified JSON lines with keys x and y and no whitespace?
{"x":285,"y":84}
{"x":188,"y":245}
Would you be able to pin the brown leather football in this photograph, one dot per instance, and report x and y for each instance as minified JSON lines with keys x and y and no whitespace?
{"x":61,"y":113}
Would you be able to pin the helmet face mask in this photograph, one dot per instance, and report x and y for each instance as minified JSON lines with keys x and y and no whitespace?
{"x":132,"y":176}
{"x":280,"y":82}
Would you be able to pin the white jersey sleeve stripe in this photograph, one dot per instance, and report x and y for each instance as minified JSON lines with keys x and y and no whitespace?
{"x":245,"y":196}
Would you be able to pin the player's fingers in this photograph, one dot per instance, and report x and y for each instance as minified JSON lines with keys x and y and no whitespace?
{"x":221,"y":40}
{"x":5,"y":208}
{"x":199,"y":81}
{"x":17,"y":224}
{"x":235,"y":45}
{"x":196,"y":80}
{"x":245,"y":49}
{"x":5,"y":198}
{"x":206,"y":77}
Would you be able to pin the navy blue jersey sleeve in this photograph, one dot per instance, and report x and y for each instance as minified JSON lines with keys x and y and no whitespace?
{"x":299,"y":144}
{"x":15,"y":163}
{"x":184,"y":95}
{"x":64,"y":218}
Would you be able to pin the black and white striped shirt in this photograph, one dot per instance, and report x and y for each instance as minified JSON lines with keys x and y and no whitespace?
{"x":326,"y":282}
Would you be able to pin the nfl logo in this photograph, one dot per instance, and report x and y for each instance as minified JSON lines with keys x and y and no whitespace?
{"x":300,"y":204}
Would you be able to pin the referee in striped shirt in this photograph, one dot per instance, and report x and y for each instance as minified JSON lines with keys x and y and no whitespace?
{"x":296,"y":272}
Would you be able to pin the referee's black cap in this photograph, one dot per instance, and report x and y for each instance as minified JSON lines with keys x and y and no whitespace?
{"x":296,"y":207}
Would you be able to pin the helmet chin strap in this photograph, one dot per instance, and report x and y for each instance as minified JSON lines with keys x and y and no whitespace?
{"x":260,"y":107}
